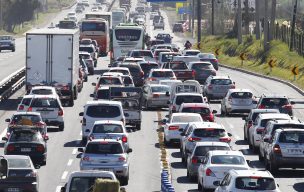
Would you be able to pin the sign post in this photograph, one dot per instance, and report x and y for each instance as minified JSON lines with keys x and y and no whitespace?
{"x":243,"y":57}
{"x":295,"y":71}
{"x":271,"y":64}
{"x":217,"y":52}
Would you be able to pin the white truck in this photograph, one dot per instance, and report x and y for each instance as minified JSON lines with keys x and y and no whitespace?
{"x":52,"y":59}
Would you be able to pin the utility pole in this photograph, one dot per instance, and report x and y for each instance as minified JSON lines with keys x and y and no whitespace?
{"x":190,"y":13}
{"x":246,"y":19}
{"x":199,"y":22}
{"x":293,"y":25}
{"x":1,"y":15}
{"x":193,"y":14}
{"x":239,"y":21}
{"x":257,"y":19}
{"x":272,"y":18}
{"x":266,"y":27}
{"x":212,"y":17}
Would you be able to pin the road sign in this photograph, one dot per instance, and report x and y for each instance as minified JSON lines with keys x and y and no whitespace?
{"x":243,"y":56}
{"x":183,"y":10}
{"x":272,"y":63}
{"x":295,"y":70}
{"x":217,"y":52}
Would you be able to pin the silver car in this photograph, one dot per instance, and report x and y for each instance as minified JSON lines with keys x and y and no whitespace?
{"x":198,"y":154}
{"x":106,"y":155}
{"x":216,"y":87}
{"x":156,"y":95}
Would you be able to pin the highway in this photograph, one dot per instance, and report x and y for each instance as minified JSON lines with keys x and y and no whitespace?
{"x":63,"y":157}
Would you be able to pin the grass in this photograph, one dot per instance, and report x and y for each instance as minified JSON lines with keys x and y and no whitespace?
{"x":257,"y":60}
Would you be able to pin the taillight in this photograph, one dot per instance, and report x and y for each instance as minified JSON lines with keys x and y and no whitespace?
{"x":21,"y":107}
{"x":31,"y":174}
{"x":261,"y":107}
{"x":40,"y":148}
{"x":123,"y":121}
{"x":193,"y":139}
{"x":121,"y":159}
{"x":155,"y":95}
{"x":10,"y":148}
{"x":173,"y":78}
{"x":86,"y":158}
{"x":84,"y":122}
{"x":209,"y":173}
{"x":232,"y":86}
{"x":124,"y":139}
{"x":173,"y":108}
{"x":173,"y":128}
{"x":211,"y":117}
{"x":277,"y":149}
{"x":91,"y":137}
{"x":30,"y":109}
{"x":193,"y":73}
{"x":249,"y":125}
{"x":225,"y":139}
{"x":194,"y":160}
{"x":60,"y":112}
{"x":40,"y":124}
{"x":209,"y":86}
{"x":213,"y":73}
{"x":214,"y":60}
{"x":152,"y":79}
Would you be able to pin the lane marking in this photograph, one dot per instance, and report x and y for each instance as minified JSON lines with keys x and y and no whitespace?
{"x":58,"y":188}
{"x":74,"y":151}
{"x":70,"y":162}
{"x":64,"y":175}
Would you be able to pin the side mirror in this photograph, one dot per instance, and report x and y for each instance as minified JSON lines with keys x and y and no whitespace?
{"x":94,"y":84}
{"x":248,"y":162}
{"x":216,"y":183}
{"x":62,"y":189}
{"x":214,"y":111}
{"x":250,"y":121}
{"x":229,"y":134}
{"x":46,"y":138}
{"x":167,"y":116}
{"x":7,"y":120}
{"x":129,"y":150}
{"x":81,"y":114}
{"x":80,"y":149}
{"x":87,"y":130}
{"x":180,"y":129}
{"x":292,"y":102}
{"x":234,"y":82}
{"x":4,"y":139}
{"x":164,"y":121}
{"x":167,"y":93}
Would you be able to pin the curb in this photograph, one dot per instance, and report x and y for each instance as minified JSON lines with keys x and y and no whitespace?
{"x":299,"y":90}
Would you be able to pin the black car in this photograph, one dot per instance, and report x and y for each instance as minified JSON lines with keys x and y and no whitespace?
{"x":178,"y":27}
{"x":146,"y":66}
{"x":136,"y":72}
{"x":27,"y":142}
{"x":7,"y":42}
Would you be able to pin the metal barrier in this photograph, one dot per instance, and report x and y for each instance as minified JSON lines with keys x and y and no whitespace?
{"x":166,"y":185}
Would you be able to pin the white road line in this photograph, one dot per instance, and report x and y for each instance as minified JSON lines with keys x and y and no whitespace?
{"x":70,"y":162}
{"x":64,"y":175}
{"x":80,"y":133}
{"x":58,"y":188}
{"x":74,"y":151}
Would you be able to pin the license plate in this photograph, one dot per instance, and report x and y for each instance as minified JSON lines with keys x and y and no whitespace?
{"x":13,"y":190}
{"x":25,"y":149}
{"x":44,"y":112}
{"x":294,"y":151}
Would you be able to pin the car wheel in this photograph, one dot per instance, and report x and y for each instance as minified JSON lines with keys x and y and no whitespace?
{"x":245,"y":137}
{"x":138,"y":126}
{"x":71,"y":102}
{"x":84,"y":140}
{"x":167,"y":143}
{"x":199,"y":186}
{"x":86,"y":79}
{"x":250,"y":144}
{"x":272,"y":167}
{"x":146,"y":105}
{"x":13,"y":50}
{"x":61,"y":127}
{"x":124,"y":180}
{"x":222,"y":112}
{"x":261,"y":157}
{"x":43,"y":163}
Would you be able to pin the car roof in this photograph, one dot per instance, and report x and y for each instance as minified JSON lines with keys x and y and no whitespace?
{"x":250,"y":172}
{"x":84,"y":53}
{"x":157,"y":85}
{"x":207,"y":125}
{"x":286,"y":121}
{"x":273,"y":95}
{"x":147,"y":62}
{"x":195,"y":105}
{"x":265,"y":110}
{"x":16,"y":156}
{"x":221,"y":77}
{"x":40,"y":96}
{"x":210,"y":143}
{"x":219,"y":152}
{"x":105,"y":140}
{"x":121,"y":68}
{"x":239,"y":90}
{"x":103,"y":102}
{"x":93,"y":173}
{"x":274,"y":115}
{"x":185,"y":114}
{"x":289,"y":130}
{"x":43,"y":87}
{"x":108,"y":122}
{"x":27,"y":113}
{"x":86,"y":45}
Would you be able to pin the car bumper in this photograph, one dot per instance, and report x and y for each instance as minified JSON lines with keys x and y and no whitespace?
{"x":158,"y":103}
{"x":216,"y":95}
{"x":50,"y":122}
{"x":36,"y":158}
{"x":6,"y":47}
{"x":257,"y":140}
{"x":239,"y":109}
{"x":19,"y":186}
{"x":172,"y":136}
{"x":119,"y":171}
{"x":133,"y":121}
{"x":289,"y":162}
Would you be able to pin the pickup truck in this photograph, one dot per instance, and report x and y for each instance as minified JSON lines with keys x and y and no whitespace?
{"x":180,"y":69}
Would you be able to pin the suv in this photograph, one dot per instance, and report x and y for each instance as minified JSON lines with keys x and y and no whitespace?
{"x":106,"y":155}
{"x":178,"y":27}
{"x":274,"y":101}
{"x":7,"y":42}
{"x":159,"y":24}
{"x":285,"y":150}
{"x":100,"y":110}
{"x":216,"y":87}
{"x":136,"y":73}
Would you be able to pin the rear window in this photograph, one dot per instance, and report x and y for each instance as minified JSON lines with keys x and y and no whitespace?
{"x":202,"y":150}
{"x":292,"y":137}
{"x":42,"y":92}
{"x":27,"y":136}
{"x":26,"y":101}
{"x":103,"y":111}
{"x":200,"y":110}
{"x":255,"y":183}
{"x":176,"y":66}
{"x":157,"y":52}
{"x":287,"y":126}
{"x":103,"y":94}
{"x":104,"y":148}
{"x":87,"y":49}
{"x":45,"y":102}
{"x":21,"y":119}
{"x":162,"y":74}
{"x":188,"y":99}
{"x":84,"y":183}
{"x":202,"y":66}
{"x":107,"y":128}
{"x":134,"y":70}
{"x":147,"y":67}
{"x":228,"y":159}
{"x":192,"y":53}
{"x":209,"y":132}
{"x":84,"y":56}
{"x":185,"y":119}
{"x":274,"y":102}
{"x":221,"y":82}
{"x":109,"y":81}
{"x":161,"y":89}
{"x":19,"y":163}
{"x":142,"y":54}
{"x":127,"y":80}
{"x":241,"y":95}
{"x":206,"y":56}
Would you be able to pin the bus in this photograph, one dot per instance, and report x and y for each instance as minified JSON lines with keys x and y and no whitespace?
{"x":118,"y":16}
{"x":127,"y":37}
{"x":97,"y":29}
{"x":101,"y":15}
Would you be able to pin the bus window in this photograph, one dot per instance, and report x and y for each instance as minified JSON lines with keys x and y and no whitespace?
{"x":88,"y":26}
{"x":128,"y":34}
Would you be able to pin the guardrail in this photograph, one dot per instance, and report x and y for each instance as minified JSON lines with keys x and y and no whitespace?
{"x":166,"y":185}
{"x":12,"y":83}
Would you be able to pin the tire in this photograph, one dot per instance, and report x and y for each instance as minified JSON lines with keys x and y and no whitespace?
{"x":250,"y":145}
{"x":223,"y":113}
{"x":0,"y":50}
{"x":261,"y":157}
{"x":75,"y":93}
{"x":138,"y":126}
{"x":43,"y":163}
{"x":199,"y":186}
{"x":84,"y":140}
{"x":61,"y":127}
{"x":191,"y":177}
{"x":167,"y":143}
{"x":146,"y":105}
{"x":272,"y":168}
{"x":13,"y":50}
{"x":86,"y":79}
{"x":245,"y":137}
{"x":71,"y":102}
{"x":124,"y":181}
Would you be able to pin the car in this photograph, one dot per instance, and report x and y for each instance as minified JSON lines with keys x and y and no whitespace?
{"x":215,"y":166}
{"x":136,"y":72}
{"x":127,"y":81}
{"x":285,"y":150}
{"x":254,"y":137}
{"x":157,"y":51}
{"x":85,"y":3}
{"x":216,"y":87}
{"x":29,"y":142}
{"x":155,"y":95}
{"x":180,"y":69}
{"x":202,"y":131}
{"x":164,"y":36}
{"x":18,"y":173}
{"x":7,"y":42}
{"x":78,"y":9}
{"x":133,"y":59}
{"x":102,"y":93}
{"x":210,"y":57}
{"x":90,"y":49}
{"x":106,"y":155}
{"x":109,"y":129}
{"x":146,"y":54}
{"x":202,"y":70}
{"x":165,"y":57}
{"x":187,"y":97}
{"x":43,"y":90}
{"x":185,"y":58}
{"x":85,"y":180}
{"x":178,"y":27}
{"x":100,"y":110}
{"x":198,"y":154}
{"x":161,"y":46}
{"x":156,"y":42}
{"x":83,"y":65}
{"x":251,"y":118}
{"x":49,"y":106}
{"x":88,"y":60}
{"x":94,"y":9}
{"x":156,"y":75}
{"x":247,"y":180}
{"x":146,"y":66}
{"x":153,"y":14}
{"x":159,"y":25}
{"x":169,"y":82}
{"x":271,"y":127}
{"x":201,"y":108}
{"x":238,"y":101}
{"x":123,"y":70}
{"x":108,"y":81}
{"x":276,"y":101}
{"x":191,"y":52}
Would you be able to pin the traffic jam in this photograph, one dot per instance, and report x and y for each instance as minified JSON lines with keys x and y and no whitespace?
{"x":142,"y":74}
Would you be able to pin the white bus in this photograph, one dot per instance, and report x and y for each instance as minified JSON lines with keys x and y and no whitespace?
{"x":100,"y":15}
{"x":127,"y":37}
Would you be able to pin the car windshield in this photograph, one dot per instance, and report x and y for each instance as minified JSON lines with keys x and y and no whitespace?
{"x":19,"y":163}
{"x":228,"y":159}
{"x":104,"y":148}
{"x":25,"y":136}
{"x":241,"y":95}
{"x":162,"y":89}
{"x":103,"y":111}
{"x":127,"y":81}
{"x":188,"y":99}
{"x":286,"y":126}
{"x":146,"y":67}
{"x":81,"y":184}
{"x":85,"y":56}
{"x":221,"y":82}
{"x":209,"y":132}
{"x":206,"y":56}
{"x":202,"y":66}
{"x":274,"y":102}
{"x":25,"y":119}
{"x":185,"y":119}
{"x":87,"y":49}
{"x":292,"y":137}
{"x":202,"y":150}
{"x":200,"y":110}
{"x":107,"y":128}
{"x":161,"y":74}
{"x":42,"y":92}
{"x":255,"y":183}
{"x":5,"y":38}
{"x":142,"y":54}
{"x":177,"y":65}
{"x":109,"y":81}
{"x":191,"y":53}
{"x":135,"y":71}
{"x":45,"y":102}
{"x":103,"y":94}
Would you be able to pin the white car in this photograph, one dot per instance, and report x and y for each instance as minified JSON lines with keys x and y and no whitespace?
{"x":191,"y":52}
{"x":255,"y":132}
{"x":100,"y":110}
{"x":123,"y":70}
{"x":181,"y":98}
{"x":169,"y":82}
{"x":176,"y":123}
{"x":155,"y":95}
{"x":156,"y":75}
{"x":248,"y":181}
{"x":216,"y":165}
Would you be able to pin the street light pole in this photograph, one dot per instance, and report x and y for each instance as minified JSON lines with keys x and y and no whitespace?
{"x":212,"y":17}
{"x":199,"y":22}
